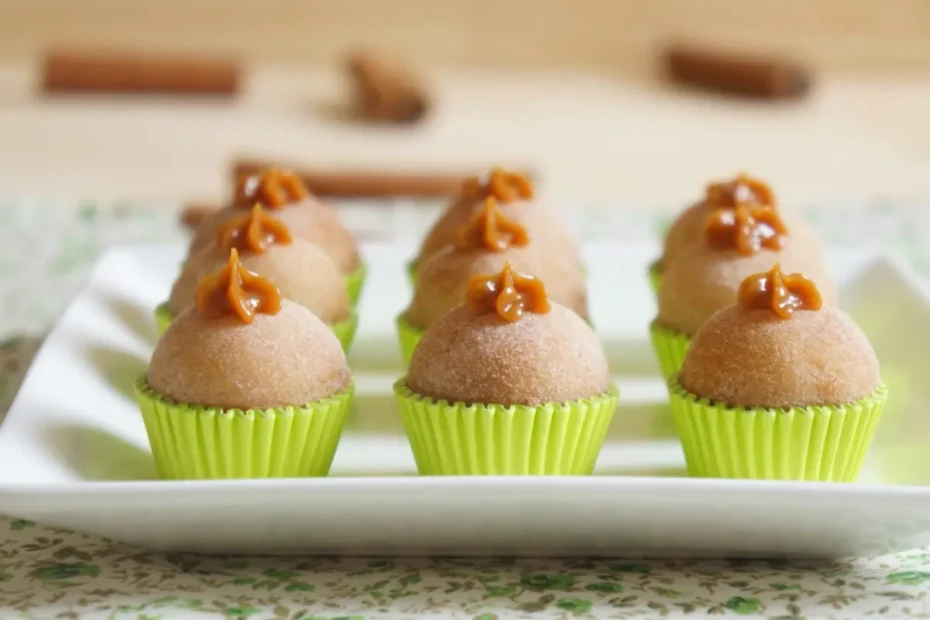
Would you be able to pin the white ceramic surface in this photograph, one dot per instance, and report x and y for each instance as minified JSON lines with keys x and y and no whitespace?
{"x":73,"y":451}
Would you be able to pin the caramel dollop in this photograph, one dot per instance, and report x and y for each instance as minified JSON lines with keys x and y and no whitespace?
{"x":273,"y":188}
{"x":507,"y":293}
{"x":746,"y":229}
{"x":501,"y":185}
{"x":782,"y":293}
{"x":253,"y":232}
{"x":237,"y":291}
{"x":492,"y":230}
{"x":742,"y":190}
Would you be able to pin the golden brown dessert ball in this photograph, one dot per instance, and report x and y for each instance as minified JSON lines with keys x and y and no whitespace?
{"x":300,"y":270}
{"x":704,"y":280}
{"x":752,"y":358}
{"x":542,"y":226}
{"x":443,"y":279}
{"x":688,"y":229}
{"x":309,"y":220}
{"x":541,"y":358}
{"x":287,"y":359}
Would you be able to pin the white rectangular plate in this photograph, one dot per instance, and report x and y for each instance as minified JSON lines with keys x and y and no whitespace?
{"x":73,"y":451}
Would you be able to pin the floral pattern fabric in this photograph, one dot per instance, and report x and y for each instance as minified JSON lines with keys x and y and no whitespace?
{"x":51,"y":573}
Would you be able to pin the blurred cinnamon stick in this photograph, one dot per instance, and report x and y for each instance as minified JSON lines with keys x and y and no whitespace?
{"x":121,"y":71}
{"x":734,"y":73}
{"x":385,"y":90}
{"x":366,"y":184}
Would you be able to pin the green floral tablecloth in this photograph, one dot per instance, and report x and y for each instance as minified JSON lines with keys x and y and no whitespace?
{"x":46,"y":251}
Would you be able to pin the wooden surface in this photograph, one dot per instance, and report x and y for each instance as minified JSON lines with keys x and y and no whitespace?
{"x":593,"y":139}
{"x":609,"y":35}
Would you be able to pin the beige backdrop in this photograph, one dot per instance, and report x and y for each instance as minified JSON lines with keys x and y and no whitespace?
{"x":604,"y":34}
{"x":579,"y":118}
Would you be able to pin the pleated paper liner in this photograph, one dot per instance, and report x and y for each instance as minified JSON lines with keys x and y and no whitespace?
{"x":408,"y":337}
{"x":655,"y":277}
{"x":344,"y":330}
{"x":468,"y":440}
{"x":822,"y":443}
{"x":163,"y":317}
{"x":354,"y":283}
{"x":670,"y":348}
{"x":193,"y":442}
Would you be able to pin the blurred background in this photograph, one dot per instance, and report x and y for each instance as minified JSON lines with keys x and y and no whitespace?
{"x":576,"y":90}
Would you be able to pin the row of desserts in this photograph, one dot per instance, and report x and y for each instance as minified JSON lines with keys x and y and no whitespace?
{"x":767,"y":377}
{"x":283,"y":233}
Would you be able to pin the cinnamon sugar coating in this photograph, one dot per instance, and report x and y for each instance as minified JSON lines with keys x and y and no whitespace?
{"x":704,"y":281}
{"x":309,"y":220}
{"x":542,"y":358}
{"x":225,"y":363}
{"x":542,"y":226}
{"x":756,"y":359}
{"x":442,"y":281}
{"x":689,"y":229}
{"x":300,"y":270}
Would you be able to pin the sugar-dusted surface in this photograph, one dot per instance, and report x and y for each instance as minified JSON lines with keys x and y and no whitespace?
{"x":542,"y":358}
{"x":309,"y":220}
{"x":301,"y":271}
{"x":443,"y":279}
{"x":755,"y":359}
{"x":287,"y":359}
{"x":702,"y":280}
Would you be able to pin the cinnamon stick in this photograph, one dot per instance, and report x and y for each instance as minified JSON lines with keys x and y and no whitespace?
{"x":121,"y":71}
{"x":366,"y":184}
{"x":385,"y":90}
{"x":734,"y":73}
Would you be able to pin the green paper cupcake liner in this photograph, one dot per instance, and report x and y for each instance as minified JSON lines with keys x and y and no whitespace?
{"x":344,"y":330}
{"x":193,"y":442}
{"x":655,"y":277}
{"x":555,"y":439}
{"x":411,"y":269}
{"x":670,"y":348}
{"x":354,"y":282}
{"x":822,"y":443}
{"x":163,"y":317}
{"x":408,"y":337}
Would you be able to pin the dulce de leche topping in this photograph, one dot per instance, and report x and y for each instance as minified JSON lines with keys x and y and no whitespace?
{"x":273,"y":188}
{"x":492,"y":230}
{"x":507,"y":293}
{"x":236,"y":290}
{"x":499,"y":184}
{"x":742,"y":190}
{"x":253,"y":232}
{"x":782,"y":293}
{"x":746,"y":229}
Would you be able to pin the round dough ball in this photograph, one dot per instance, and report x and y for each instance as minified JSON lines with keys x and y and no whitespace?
{"x":755,"y":359}
{"x":442,"y":280}
{"x":309,"y":220}
{"x":542,"y":358}
{"x":300,"y":270}
{"x":542,"y":226}
{"x":688,"y":229}
{"x":287,"y":359}
{"x":703,"y":281}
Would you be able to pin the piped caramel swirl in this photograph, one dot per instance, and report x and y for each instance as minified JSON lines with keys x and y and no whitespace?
{"x":254,"y":232}
{"x":501,"y":185}
{"x":491,"y":230}
{"x":746,"y":229}
{"x":782,"y":293}
{"x":741,"y":190}
{"x":236,"y":291}
{"x":273,"y":188}
{"x":508,"y":294}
